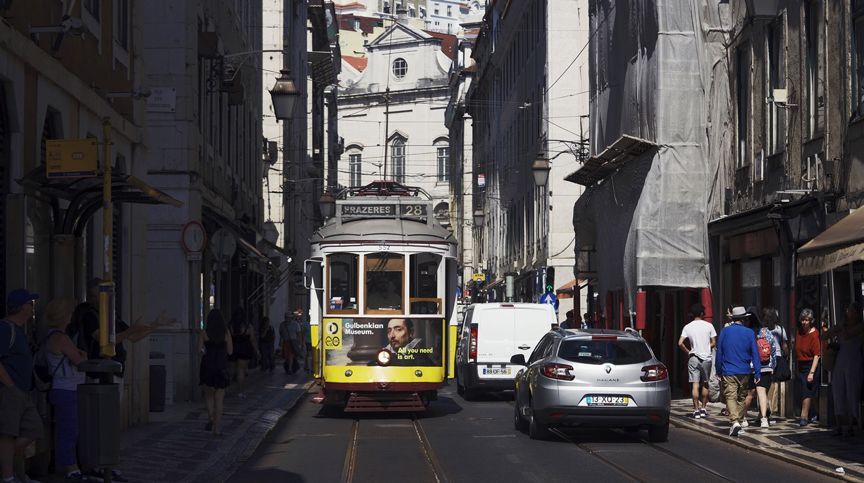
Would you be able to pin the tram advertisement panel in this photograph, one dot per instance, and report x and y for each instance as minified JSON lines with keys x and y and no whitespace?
{"x":358,"y":341}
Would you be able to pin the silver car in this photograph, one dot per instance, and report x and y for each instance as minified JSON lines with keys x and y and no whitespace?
{"x":592,"y":378}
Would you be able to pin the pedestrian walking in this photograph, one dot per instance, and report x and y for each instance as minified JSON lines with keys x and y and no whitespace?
{"x":737,"y":364}
{"x":266,"y":340}
{"x":698,"y":339}
{"x":847,"y":376}
{"x":768,"y":349}
{"x":215,"y":345}
{"x":20,"y":423}
{"x":243,"y":335}
{"x":569,"y":321}
{"x":287,"y":347}
{"x":808,"y":351}
{"x":771,"y":320}
{"x":63,"y":358}
{"x":752,"y":322}
{"x":295,"y":336}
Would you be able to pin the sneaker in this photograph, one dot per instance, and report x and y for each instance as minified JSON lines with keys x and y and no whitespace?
{"x":745,"y":423}
{"x":764,"y":423}
{"x":814,"y":420}
{"x":76,"y":476}
{"x":703,"y":412}
{"x":803,"y":422}
{"x":735,"y":430}
{"x":697,"y":414}
{"x":724,"y":412}
{"x":99,"y":475}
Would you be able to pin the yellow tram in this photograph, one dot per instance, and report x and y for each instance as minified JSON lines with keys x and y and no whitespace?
{"x":383,"y":288}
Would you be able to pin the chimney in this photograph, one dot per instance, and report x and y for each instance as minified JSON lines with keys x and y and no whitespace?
{"x":402,"y":14}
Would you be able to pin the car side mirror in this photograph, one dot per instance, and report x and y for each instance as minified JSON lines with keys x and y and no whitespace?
{"x":518,"y":359}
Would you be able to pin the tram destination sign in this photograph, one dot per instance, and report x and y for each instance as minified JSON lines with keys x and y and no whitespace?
{"x":354,"y":211}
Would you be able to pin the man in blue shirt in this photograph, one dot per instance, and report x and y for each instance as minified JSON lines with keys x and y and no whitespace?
{"x":19,"y":420}
{"x":737,"y":363}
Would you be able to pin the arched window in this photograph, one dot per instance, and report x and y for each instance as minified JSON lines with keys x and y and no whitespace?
{"x":355,"y":166}
{"x":397,"y":155}
{"x":442,"y":155}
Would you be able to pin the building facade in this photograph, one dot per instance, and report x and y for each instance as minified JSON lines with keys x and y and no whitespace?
{"x":528,"y":101}
{"x":68,"y":68}
{"x":205,"y":149}
{"x":392,"y":115}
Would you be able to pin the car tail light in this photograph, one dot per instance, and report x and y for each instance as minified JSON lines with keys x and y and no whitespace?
{"x":654,"y":373}
{"x":472,"y":346}
{"x":558,"y":371}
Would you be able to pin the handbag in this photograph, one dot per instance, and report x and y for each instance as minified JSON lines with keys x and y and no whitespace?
{"x":782,"y":373}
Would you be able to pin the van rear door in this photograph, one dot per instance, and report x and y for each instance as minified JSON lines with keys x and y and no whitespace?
{"x":531,"y":323}
{"x":495,"y":334}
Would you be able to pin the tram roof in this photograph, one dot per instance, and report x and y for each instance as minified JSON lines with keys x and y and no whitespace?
{"x":391,"y":229}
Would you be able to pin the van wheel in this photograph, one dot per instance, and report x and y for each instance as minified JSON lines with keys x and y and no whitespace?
{"x":518,"y":421}
{"x":536,"y":429}
{"x":658,"y":433}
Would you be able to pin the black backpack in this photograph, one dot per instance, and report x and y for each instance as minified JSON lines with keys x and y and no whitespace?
{"x":43,"y":375}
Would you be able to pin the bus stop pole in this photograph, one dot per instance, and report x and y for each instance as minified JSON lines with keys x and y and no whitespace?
{"x":106,"y":288}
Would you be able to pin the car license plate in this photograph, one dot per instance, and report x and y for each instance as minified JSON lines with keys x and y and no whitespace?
{"x":608,"y":400}
{"x":496,"y":371}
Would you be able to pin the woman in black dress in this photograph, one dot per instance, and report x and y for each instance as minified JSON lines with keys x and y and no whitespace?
{"x":245,"y":345}
{"x":216,"y":345}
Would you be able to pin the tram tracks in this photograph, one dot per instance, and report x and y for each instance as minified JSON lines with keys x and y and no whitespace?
{"x":629,"y":472}
{"x":351,"y":462}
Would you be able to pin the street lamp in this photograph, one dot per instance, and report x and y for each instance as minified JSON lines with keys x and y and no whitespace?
{"x":327,"y":204}
{"x":284,"y":95}
{"x":478,"y":217}
{"x":540,"y":168}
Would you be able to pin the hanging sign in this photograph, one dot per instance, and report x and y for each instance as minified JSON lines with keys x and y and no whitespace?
{"x":71,"y":158}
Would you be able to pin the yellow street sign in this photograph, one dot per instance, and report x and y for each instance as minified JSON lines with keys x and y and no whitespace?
{"x":332,"y":334}
{"x":479,"y":277}
{"x":71,"y":158}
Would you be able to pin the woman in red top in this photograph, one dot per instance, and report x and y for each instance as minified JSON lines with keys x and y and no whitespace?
{"x":808,"y":350}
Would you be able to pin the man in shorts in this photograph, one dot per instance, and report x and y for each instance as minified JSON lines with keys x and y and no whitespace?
{"x":701,"y":338}
{"x":20,"y":422}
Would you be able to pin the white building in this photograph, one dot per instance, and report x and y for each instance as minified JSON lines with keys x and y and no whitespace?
{"x":407,"y":65}
{"x":529,"y":99}
{"x":448,"y":15}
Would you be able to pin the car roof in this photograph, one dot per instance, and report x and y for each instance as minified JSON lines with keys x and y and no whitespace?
{"x":584,"y":333}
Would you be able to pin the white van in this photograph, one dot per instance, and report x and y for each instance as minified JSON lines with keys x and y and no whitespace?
{"x":490,"y":335}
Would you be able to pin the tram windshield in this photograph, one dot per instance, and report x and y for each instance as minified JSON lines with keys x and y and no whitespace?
{"x":385,"y":282}
{"x":423,"y":287}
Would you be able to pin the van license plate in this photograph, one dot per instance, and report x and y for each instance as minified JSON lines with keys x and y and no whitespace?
{"x":496,"y":371}
{"x":608,"y":400}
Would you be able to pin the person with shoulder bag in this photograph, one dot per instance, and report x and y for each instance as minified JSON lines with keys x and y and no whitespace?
{"x":782,"y":371}
{"x":63,"y":357}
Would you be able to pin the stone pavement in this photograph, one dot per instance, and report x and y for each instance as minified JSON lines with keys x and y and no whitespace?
{"x":812,"y":446}
{"x":174,"y":446}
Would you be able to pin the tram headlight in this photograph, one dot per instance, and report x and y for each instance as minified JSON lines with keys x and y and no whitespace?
{"x":418,"y":373}
{"x":384,"y":357}
{"x":349,"y":373}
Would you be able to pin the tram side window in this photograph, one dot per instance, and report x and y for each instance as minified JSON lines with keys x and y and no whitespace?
{"x":424,"y":284}
{"x":342,"y":296}
{"x":385,"y":283}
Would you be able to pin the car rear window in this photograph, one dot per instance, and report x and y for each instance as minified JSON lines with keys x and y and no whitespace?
{"x":604,"y":351}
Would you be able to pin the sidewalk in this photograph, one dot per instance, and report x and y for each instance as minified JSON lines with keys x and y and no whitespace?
{"x":813,"y":447}
{"x":175,"y":447}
